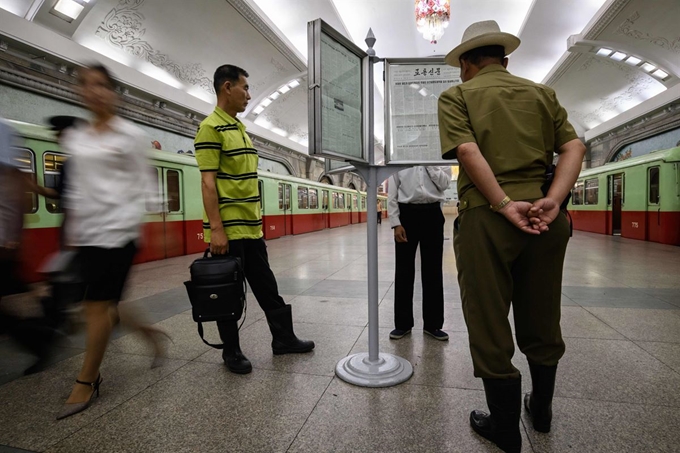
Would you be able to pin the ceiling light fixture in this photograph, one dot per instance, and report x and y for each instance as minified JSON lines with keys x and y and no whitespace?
{"x":604,"y":52}
{"x":284,"y":89}
{"x":259,"y":109}
{"x":294,"y":83}
{"x":266,"y":102}
{"x":633,"y":61}
{"x":660,"y":74}
{"x":274,"y":95}
{"x":648,"y":67}
{"x":69,"y":10}
{"x":432,"y":18}
{"x":618,"y":56}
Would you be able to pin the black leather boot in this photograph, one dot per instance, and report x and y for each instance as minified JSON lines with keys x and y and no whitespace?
{"x":284,"y":340}
{"x":504,"y":398}
{"x":538,"y":403}
{"x":233,"y":358}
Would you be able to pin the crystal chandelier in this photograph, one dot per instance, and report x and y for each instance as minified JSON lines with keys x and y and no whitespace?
{"x":432,"y":18}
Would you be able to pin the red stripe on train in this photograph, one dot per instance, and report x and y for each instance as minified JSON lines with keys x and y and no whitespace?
{"x":653,"y":226}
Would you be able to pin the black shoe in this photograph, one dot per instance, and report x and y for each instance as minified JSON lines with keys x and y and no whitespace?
{"x":233,"y":358}
{"x":236,"y":362}
{"x":538,"y":402}
{"x":501,"y":427}
{"x":284,"y":340}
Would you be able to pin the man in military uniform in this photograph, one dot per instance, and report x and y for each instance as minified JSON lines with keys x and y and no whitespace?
{"x":232,"y":221}
{"x":510,"y":238}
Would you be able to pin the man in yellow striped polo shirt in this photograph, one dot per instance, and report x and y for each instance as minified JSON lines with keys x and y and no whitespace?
{"x":232,"y":221}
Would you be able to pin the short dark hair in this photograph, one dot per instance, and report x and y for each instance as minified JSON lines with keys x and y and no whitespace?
{"x":475,"y":56}
{"x":227,"y":73}
{"x":102,"y":70}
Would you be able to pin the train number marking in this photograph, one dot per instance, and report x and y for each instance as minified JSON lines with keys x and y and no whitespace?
{"x":199,"y":236}
{"x":635,"y":225}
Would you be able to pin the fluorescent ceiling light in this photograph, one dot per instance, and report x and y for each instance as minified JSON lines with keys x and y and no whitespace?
{"x":261,"y":121}
{"x":423,"y":92}
{"x":266,"y":102}
{"x":279,"y":131}
{"x":660,"y":74}
{"x":618,"y":56}
{"x":69,"y":8}
{"x":604,"y":52}
{"x":633,"y":61}
{"x":294,"y":83}
{"x":415,"y":86}
{"x":274,"y":95}
{"x":648,"y":67}
{"x":259,"y":109}
{"x":284,"y":89}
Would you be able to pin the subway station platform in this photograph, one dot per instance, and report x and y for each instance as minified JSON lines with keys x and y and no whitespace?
{"x":618,"y":387}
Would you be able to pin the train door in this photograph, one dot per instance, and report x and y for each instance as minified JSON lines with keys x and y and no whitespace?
{"x":173,"y":213}
{"x":354,"y":216}
{"x":653,"y":205}
{"x":325,"y":209}
{"x":286,"y":207}
{"x":617,"y":202}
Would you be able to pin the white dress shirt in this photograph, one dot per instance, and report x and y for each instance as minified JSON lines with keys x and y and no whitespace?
{"x":416,"y":185}
{"x":108,"y":183}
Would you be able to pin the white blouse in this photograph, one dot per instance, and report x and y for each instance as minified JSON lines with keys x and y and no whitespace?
{"x":108,"y":182}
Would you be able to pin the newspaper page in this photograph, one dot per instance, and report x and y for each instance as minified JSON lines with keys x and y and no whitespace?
{"x":341,"y":115}
{"x":414,"y":93}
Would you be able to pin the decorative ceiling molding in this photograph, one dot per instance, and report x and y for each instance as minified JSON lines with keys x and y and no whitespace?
{"x":261,"y":26}
{"x":627,"y":29}
{"x":605,"y":19}
{"x":564,"y":67}
{"x":123,"y":28}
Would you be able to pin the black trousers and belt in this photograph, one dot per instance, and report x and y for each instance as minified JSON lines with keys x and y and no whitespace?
{"x":424,"y":225}
{"x":253,"y":254}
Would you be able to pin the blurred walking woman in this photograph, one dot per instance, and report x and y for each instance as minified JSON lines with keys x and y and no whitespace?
{"x":108,"y":184}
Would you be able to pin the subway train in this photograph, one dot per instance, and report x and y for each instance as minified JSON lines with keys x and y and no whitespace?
{"x":638,"y":198}
{"x":289,"y":205}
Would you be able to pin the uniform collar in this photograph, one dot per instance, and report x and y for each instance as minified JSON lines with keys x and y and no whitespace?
{"x":492,"y":68}
{"x":226,"y":117}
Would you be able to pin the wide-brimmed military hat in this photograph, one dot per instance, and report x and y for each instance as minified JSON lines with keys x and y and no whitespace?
{"x":480,"y":34}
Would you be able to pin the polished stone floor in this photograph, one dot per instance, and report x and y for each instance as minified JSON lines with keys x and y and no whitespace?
{"x":618,"y":386}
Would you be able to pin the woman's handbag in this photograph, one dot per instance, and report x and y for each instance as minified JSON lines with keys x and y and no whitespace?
{"x":216,"y":290}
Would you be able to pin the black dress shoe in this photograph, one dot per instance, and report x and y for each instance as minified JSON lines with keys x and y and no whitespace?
{"x":237,"y":362}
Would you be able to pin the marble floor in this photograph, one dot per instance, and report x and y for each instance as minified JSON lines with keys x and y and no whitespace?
{"x":618,"y":387}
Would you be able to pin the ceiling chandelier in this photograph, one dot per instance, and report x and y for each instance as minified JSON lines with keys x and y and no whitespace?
{"x":432,"y":18}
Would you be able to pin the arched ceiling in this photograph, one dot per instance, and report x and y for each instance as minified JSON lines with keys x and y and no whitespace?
{"x":170,"y":48}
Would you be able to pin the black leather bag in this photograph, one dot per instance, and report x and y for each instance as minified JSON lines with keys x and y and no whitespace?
{"x":217,"y":290}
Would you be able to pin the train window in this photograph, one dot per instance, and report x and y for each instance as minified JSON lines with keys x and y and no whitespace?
{"x":324,"y":202}
{"x":348,"y":200}
{"x":173,"y":186}
{"x":152,"y":201}
{"x":280,"y":197}
{"x":303,"y":198}
{"x":355,"y":202}
{"x":53,"y":163}
{"x":592,"y":189}
{"x":654,"y":185}
{"x":313,"y":199}
{"x":25,"y":160}
{"x":260,"y":190}
{"x":577,"y":193}
{"x":363,"y":203}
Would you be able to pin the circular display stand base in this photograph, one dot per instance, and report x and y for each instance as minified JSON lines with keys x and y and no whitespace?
{"x":389,"y":370}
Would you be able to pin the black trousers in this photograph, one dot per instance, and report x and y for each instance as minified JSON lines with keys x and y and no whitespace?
{"x":253,"y":254}
{"x":424,"y":225}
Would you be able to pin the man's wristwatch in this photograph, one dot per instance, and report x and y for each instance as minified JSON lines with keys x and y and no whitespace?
{"x":501,"y":205}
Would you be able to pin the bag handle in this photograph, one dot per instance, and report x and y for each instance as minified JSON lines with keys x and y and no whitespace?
{"x":200,"y":332}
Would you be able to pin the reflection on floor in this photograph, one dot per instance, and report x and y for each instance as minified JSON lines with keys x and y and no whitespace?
{"x":618,"y":385}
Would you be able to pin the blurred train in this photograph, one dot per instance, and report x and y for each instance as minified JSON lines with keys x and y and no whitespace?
{"x":289,"y":205}
{"x":638,"y":198}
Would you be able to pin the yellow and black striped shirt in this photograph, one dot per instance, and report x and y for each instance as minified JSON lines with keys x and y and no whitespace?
{"x":222,"y":145}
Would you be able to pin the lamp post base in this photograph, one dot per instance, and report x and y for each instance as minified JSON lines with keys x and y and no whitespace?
{"x":387,"y":371}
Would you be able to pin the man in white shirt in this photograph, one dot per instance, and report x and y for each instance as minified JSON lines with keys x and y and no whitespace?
{"x":414,"y":209}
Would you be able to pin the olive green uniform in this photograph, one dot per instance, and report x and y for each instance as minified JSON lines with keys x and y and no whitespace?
{"x":518,"y":125}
